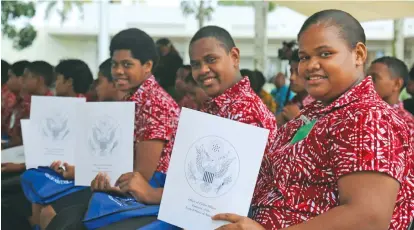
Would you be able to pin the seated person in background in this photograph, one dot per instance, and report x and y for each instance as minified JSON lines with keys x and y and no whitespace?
{"x":347,"y":162}
{"x":409,"y":103}
{"x":390,"y":75}
{"x":133,"y":56}
{"x":196,"y":93}
{"x":281,"y":94}
{"x":106,"y":87}
{"x":7,"y":97}
{"x":297,"y":85}
{"x":11,"y":98}
{"x":36,"y":79}
{"x":257,"y":81}
{"x":265,"y":96}
{"x":73,"y":78}
{"x":91,"y":94}
{"x":106,"y":92}
{"x":181,"y":89}
{"x":179,"y":85}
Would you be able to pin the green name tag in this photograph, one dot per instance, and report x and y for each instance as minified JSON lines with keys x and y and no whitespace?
{"x":303,"y":132}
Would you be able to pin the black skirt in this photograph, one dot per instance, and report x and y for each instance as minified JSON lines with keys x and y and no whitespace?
{"x":70,"y":210}
{"x":81,"y":197}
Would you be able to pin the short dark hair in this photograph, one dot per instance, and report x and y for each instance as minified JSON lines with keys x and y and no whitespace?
{"x":396,"y":67}
{"x":43,"y":69}
{"x":252,"y":78}
{"x":78,"y":71}
{"x":295,"y":56}
{"x":18,"y":67}
{"x":163,"y":41}
{"x":350,"y":29}
{"x":412,"y":73}
{"x":140,"y":44}
{"x":260,"y":78}
{"x":216,"y":32}
{"x":105,"y":69}
{"x":5,"y":66}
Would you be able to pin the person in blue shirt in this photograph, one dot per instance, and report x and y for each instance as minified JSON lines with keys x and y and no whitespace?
{"x":281,"y":94}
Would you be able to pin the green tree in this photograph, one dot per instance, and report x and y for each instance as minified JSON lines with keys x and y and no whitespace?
{"x":64,"y":8}
{"x":12,"y":11}
{"x":202,"y":10}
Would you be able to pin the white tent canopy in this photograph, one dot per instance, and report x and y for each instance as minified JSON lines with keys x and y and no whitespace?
{"x":362,"y":10}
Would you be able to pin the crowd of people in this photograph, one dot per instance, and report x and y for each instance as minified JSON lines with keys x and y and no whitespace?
{"x":340,"y":153}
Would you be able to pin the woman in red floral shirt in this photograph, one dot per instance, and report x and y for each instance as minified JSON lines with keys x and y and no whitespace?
{"x":347,"y":161}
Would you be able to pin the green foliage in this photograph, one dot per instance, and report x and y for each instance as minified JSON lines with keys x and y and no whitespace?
{"x":12,"y":11}
{"x":66,"y":8}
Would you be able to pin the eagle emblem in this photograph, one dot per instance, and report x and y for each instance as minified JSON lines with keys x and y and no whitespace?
{"x":211,"y":170}
{"x":103,"y":137}
{"x":56,"y":127}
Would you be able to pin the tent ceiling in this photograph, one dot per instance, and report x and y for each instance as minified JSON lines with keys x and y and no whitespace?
{"x":362,"y":10}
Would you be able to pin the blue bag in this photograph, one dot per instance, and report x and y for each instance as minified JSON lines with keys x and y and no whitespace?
{"x":105,"y":209}
{"x":43,"y":185}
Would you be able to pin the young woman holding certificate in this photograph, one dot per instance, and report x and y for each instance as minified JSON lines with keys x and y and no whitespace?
{"x":347,"y":161}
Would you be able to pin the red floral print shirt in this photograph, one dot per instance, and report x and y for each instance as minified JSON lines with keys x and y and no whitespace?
{"x":156,"y":118}
{"x":241,"y":103}
{"x":357,"y":132}
{"x":406,"y":116}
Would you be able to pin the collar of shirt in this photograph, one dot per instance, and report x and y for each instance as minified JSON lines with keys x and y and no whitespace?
{"x":147,"y":84}
{"x":365,"y":89}
{"x":231,"y":94}
{"x":399,"y":105}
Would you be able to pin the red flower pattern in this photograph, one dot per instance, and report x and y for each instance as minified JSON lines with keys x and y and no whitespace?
{"x":8,"y":101}
{"x":156,"y":117}
{"x":406,"y":116}
{"x":21,"y":110}
{"x":357,"y":132}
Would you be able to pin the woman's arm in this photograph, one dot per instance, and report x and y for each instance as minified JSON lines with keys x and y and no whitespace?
{"x":367,"y":200}
{"x":147,"y":156}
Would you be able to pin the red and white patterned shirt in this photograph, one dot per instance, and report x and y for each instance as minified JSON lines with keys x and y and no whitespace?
{"x":8,"y":101}
{"x":307,"y":100}
{"x":406,"y":116}
{"x":357,"y":132}
{"x":21,"y":110}
{"x":156,"y":118}
{"x":240,"y":103}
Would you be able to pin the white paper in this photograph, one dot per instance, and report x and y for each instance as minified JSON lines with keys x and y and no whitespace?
{"x":13,"y":155}
{"x":106,"y":143}
{"x":213,"y":169}
{"x":31,"y":158}
{"x":56,"y":126}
